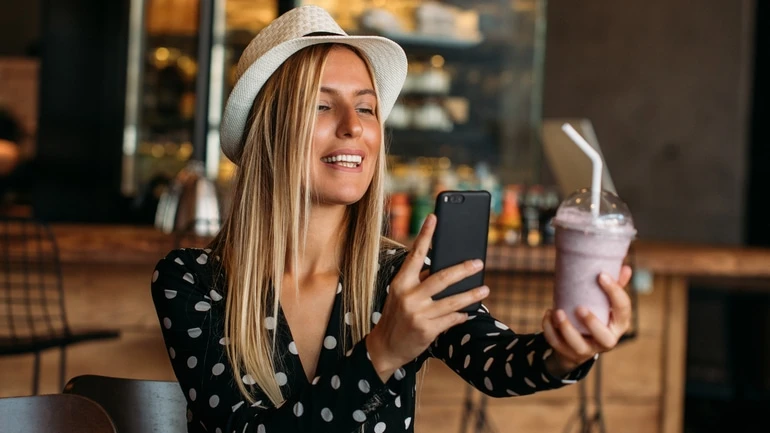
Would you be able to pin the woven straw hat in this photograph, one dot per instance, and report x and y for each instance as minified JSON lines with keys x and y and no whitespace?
{"x":289,"y":33}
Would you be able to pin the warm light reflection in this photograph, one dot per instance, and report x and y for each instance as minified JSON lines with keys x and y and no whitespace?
{"x":162,"y":54}
{"x":185,"y":151}
{"x":437,"y":61}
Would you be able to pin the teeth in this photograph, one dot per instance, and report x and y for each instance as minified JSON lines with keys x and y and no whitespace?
{"x":342,"y":159}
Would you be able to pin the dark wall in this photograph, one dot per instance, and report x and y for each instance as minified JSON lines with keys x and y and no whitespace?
{"x":758,"y":218}
{"x":19,"y":27}
{"x":666,"y":85}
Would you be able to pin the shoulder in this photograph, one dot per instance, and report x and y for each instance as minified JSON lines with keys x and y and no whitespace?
{"x":193,"y":265}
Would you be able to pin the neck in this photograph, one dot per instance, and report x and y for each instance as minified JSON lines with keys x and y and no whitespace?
{"x":326,"y":233}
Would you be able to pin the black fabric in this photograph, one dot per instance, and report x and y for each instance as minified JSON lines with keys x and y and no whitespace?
{"x":347,"y":392}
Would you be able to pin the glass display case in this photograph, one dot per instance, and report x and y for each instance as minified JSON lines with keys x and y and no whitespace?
{"x":469,"y":114}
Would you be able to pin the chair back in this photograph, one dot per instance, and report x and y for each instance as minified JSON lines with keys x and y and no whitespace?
{"x":53,"y":413}
{"x":31,"y":294}
{"x":136,"y":406}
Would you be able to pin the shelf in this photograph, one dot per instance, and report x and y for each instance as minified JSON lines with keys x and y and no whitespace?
{"x":462,"y":144}
{"x":435,"y":41}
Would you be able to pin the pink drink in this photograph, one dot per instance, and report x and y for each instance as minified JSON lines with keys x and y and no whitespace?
{"x":586,"y":247}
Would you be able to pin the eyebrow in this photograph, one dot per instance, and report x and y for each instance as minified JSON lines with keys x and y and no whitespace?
{"x":358,"y":93}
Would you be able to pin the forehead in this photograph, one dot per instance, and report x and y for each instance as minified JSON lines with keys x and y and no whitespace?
{"x":343,"y":66}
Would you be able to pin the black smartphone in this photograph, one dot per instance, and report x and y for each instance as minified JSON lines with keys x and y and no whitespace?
{"x":461,"y":232}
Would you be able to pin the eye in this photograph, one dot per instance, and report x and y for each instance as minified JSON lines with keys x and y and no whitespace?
{"x":323,"y":107}
{"x":366,"y":111}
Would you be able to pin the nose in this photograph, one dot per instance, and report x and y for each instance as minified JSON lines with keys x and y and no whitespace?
{"x":349,"y":124}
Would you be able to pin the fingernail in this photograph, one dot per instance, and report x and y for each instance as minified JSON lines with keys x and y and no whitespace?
{"x":560,"y":316}
{"x":483,"y":291}
{"x":477,"y":263}
{"x":582,"y":311}
{"x":605,"y":279}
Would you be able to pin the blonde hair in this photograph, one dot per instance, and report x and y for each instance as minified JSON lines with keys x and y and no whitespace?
{"x":269,"y":216}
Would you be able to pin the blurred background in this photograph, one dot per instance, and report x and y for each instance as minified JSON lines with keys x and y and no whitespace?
{"x":109,"y":101}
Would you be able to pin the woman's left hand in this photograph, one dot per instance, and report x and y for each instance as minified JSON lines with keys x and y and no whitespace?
{"x":570,"y":348}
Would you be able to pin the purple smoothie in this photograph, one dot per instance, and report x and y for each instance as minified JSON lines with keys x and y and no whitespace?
{"x":586,"y":247}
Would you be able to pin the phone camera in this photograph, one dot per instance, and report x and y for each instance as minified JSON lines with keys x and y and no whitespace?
{"x":456,"y":199}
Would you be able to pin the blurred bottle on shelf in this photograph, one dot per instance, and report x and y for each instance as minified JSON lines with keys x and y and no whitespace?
{"x":548,"y":211}
{"x":509,"y":222}
{"x":399,"y":212}
{"x":531,"y":222}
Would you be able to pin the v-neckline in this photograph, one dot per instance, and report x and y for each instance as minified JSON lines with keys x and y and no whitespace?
{"x":335,"y":319}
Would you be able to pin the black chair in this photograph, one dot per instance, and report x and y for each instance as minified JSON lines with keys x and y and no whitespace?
{"x":53,"y":413}
{"x":519,"y":297}
{"x":135,"y":406}
{"x":32,"y":312}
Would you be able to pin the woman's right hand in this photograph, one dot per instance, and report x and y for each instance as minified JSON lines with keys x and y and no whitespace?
{"x":411,"y":320}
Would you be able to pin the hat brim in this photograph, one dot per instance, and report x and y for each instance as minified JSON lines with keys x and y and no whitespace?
{"x":388,"y":62}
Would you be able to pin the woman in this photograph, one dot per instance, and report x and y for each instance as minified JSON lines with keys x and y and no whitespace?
{"x":301,"y":318}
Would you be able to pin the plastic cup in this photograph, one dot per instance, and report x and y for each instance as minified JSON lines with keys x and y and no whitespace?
{"x":587,"y":246}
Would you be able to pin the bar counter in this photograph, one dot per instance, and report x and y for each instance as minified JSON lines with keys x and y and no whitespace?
{"x":107,"y":271}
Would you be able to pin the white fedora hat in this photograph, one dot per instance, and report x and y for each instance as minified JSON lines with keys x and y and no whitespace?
{"x":289,"y":33}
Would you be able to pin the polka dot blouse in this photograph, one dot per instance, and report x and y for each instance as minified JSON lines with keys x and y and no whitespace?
{"x":347,"y":393}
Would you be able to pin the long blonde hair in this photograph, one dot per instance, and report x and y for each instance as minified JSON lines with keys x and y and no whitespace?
{"x":269,"y":216}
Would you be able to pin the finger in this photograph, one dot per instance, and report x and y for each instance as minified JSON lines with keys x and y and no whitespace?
{"x":424,"y":274}
{"x":456,"y":302}
{"x":554,"y":339}
{"x":620,"y":302}
{"x":416,"y":259}
{"x":571,"y":336}
{"x":603,"y":339}
{"x":448,"y":320}
{"x":444,"y":278}
{"x":625,"y":276}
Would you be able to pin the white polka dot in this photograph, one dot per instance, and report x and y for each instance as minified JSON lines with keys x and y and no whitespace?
{"x":466,"y":338}
{"x":488,"y":383}
{"x":167,"y":323}
{"x":399,"y":374}
{"x":500,"y":325}
{"x":530,"y":342}
{"x":335,"y":382}
{"x":178,"y":261}
{"x":189,"y":415}
{"x":467,"y":361}
{"x":547,"y":354}
{"x":270,"y":323}
{"x":486,"y":349}
{"x":545,"y":378}
{"x":398,"y":401}
{"x":192,"y":394}
{"x":508,"y":370}
{"x":218,"y":369}
{"x":248,"y":380}
{"x":171,"y":352}
{"x":347,"y":318}
{"x":427,"y":261}
{"x":281,"y":378}
{"x":349,"y":352}
{"x":215,"y":296}
{"x":218,"y":430}
{"x":214,"y":401}
{"x":236,"y":406}
{"x":261,"y":428}
{"x":194,"y":332}
{"x":379,"y":427}
{"x":189,"y":278}
{"x":326,"y":414}
{"x":202,"y":259}
{"x":376,"y":317}
{"x":390,"y":252}
{"x":407,"y":422}
{"x":531,"y":357}
{"x":451,"y":351}
{"x":359,"y":416}
{"x":154,"y":276}
{"x":513,"y":343}
{"x":509,"y":358}
{"x":192,"y":362}
{"x":339,"y":288}
{"x":530,"y":383}
{"x":170,"y":294}
{"x":488,"y":364}
{"x":298,"y":409}
{"x":224,"y":341}
{"x":492,"y":334}
{"x":387,"y":288}
{"x":511,"y":392}
{"x":316,"y":379}
{"x":293,"y":348}
{"x":330,"y":342}
{"x":363,"y":385}
{"x":202,"y":306}
{"x":471,"y":317}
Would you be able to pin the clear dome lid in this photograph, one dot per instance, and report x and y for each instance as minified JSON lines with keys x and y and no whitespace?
{"x":614,"y":216}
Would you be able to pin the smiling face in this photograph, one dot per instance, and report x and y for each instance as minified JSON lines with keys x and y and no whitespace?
{"x":347,"y":135}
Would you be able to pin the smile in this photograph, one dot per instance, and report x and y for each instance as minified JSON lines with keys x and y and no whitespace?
{"x":348,"y":161}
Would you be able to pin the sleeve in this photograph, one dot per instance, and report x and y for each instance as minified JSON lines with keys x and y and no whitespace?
{"x":191,"y":313}
{"x":497,"y":361}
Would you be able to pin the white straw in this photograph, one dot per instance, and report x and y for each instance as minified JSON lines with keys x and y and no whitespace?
{"x":596,"y":160}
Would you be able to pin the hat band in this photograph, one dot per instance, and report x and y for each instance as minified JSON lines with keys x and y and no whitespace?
{"x":313,"y":34}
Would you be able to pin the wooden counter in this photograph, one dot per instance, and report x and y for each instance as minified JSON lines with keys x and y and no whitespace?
{"x":107,"y":271}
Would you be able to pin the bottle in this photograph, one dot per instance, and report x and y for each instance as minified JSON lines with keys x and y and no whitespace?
{"x":531,"y":224}
{"x":400,"y":213}
{"x":509,"y":221}
{"x":548,"y":209}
